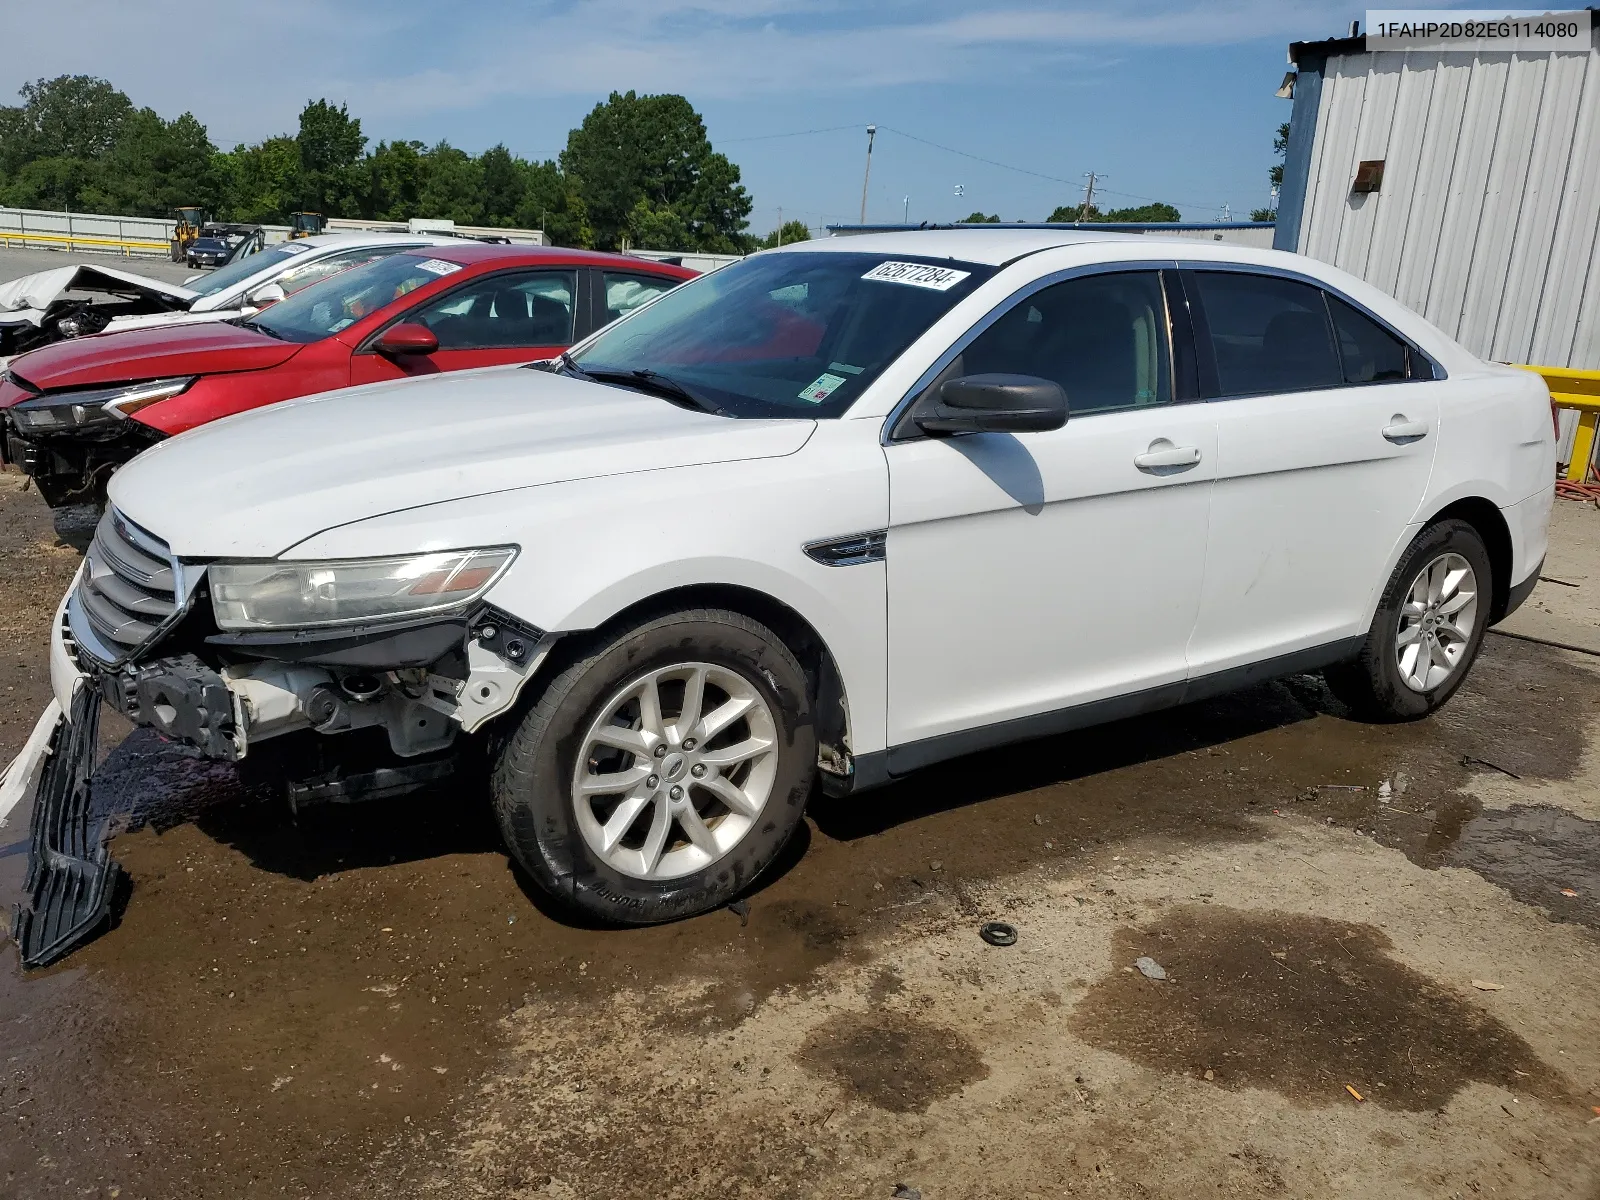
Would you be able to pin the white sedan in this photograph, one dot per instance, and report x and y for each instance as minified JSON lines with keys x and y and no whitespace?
{"x":831,"y":514}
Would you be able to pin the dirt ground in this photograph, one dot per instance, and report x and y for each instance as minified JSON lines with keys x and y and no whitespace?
{"x":1382,"y":973}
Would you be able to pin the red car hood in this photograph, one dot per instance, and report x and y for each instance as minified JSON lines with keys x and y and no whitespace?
{"x":204,"y":349}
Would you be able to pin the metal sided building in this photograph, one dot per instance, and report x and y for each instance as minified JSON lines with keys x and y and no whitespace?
{"x":1466,"y":185}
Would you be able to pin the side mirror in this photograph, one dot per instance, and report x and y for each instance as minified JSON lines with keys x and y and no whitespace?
{"x":267,"y":293}
{"x":407,"y":338}
{"x":996,"y":404}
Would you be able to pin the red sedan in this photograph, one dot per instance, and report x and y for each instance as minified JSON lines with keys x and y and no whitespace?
{"x":76,"y":410}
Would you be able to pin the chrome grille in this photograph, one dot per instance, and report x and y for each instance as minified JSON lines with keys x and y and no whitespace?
{"x":128,"y":590}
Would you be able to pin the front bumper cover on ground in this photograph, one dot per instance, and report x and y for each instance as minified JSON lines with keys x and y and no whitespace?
{"x":71,"y":877}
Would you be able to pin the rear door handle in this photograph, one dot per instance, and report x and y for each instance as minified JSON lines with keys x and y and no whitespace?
{"x":1401,"y":430}
{"x":1164,"y":456}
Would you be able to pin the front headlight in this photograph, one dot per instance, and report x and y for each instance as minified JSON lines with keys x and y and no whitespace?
{"x":58,"y":412}
{"x":290,"y":595}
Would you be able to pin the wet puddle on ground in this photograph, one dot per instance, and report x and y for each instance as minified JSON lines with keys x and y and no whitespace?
{"x":891,"y":1060}
{"x":284,"y":997}
{"x":1303,"y":1006}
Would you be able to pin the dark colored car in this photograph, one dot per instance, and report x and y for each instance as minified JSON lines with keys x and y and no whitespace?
{"x":75,"y":411}
{"x":208,"y":252}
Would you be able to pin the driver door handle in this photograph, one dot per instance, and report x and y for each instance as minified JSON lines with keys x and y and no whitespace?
{"x":1401,"y":430}
{"x":1164,"y":456}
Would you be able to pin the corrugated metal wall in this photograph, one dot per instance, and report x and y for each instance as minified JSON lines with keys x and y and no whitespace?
{"x":1488,"y":221}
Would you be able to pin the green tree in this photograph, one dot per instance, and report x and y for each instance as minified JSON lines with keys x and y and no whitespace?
{"x":657,"y":227}
{"x":505,"y":179}
{"x":1280,"y":147}
{"x":1155,"y":212}
{"x":396,"y":175}
{"x":654,"y":149}
{"x":157,"y":165}
{"x":452,"y":187}
{"x":260,"y":182}
{"x":789,"y":233}
{"x":331,"y":144}
{"x":551,"y":202}
{"x":69,"y":117}
{"x":978,"y":218}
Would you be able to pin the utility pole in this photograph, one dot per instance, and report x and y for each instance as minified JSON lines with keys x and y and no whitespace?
{"x":905,"y":216}
{"x":780,"y":224}
{"x":1088,"y":194}
{"x":872,"y":132}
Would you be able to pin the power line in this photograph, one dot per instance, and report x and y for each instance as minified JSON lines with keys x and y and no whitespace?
{"x":1036,"y":174}
{"x":767,"y":137}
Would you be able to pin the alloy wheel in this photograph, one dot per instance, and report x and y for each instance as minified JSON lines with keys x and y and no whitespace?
{"x":675,"y":770}
{"x":1437,"y":621}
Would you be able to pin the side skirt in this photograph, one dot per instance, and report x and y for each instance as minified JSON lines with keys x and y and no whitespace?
{"x":885,"y":766}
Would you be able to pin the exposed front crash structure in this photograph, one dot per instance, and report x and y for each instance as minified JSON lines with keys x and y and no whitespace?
{"x":355,"y":712}
{"x":69,"y":302}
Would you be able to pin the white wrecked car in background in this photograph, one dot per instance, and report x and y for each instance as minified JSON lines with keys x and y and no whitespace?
{"x":74,"y":301}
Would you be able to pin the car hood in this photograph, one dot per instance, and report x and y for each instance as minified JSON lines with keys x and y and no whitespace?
{"x":256,"y":484}
{"x":113,"y":357}
{"x":27,"y":298}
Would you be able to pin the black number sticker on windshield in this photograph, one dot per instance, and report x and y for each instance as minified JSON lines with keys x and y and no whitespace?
{"x":937,"y":279}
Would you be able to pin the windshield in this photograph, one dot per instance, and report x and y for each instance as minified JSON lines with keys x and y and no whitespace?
{"x":784,"y":335}
{"x":339,"y":301}
{"x":242,"y":269}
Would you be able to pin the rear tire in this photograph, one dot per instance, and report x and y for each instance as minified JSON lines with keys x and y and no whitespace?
{"x":1427,"y":630}
{"x":620,"y":814}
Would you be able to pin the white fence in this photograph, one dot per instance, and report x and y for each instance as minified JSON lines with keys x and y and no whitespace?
{"x":35,"y":229}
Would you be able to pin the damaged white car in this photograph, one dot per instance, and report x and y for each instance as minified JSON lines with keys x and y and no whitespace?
{"x":831,"y":514}
{"x":87,"y":298}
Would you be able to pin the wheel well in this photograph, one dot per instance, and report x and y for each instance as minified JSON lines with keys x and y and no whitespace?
{"x":1483,"y":516}
{"x":829,"y":703}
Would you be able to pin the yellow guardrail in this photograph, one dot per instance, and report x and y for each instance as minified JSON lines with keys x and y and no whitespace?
{"x":7,"y":236}
{"x":1578,"y":390}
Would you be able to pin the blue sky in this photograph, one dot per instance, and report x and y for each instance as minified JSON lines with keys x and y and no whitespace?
{"x":1167,"y":99}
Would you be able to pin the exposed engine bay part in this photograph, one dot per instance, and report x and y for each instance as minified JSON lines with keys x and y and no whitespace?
{"x":37,"y":309}
{"x":71,"y":878}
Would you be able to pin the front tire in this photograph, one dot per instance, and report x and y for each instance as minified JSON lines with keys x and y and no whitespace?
{"x":658,"y":775}
{"x":1427,"y":630}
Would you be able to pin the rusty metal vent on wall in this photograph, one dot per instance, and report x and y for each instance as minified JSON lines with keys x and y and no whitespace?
{"x":1369,"y":176}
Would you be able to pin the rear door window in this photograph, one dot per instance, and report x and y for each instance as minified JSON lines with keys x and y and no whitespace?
{"x":1266,"y":334}
{"x":624,"y":293}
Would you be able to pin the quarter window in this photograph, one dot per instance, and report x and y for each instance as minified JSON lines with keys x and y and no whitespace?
{"x":1368,"y":351}
{"x":1103,"y":338}
{"x":1268,"y":334}
{"x":503,"y":311}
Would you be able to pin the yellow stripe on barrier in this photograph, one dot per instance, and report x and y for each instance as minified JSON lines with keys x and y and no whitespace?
{"x":12,"y":235}
{"x":1578,"y":390}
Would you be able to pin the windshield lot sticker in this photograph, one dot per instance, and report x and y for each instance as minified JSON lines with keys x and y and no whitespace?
{"x":439,"y":267}
{"x":820,"y":390}
{"x":294,"y":248}
{"x":937,"y":279}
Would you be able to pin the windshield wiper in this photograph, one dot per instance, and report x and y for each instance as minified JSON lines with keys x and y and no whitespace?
{"x":260,"y":328}
{"x":567,"y":365}
{"x":662,"y":385}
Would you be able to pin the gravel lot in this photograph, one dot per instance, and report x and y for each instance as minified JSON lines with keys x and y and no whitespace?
{"x":1368,"y":992}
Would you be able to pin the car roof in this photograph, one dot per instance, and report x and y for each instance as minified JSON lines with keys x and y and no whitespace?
{"x":992,"y":245}
{"x":468,"y":253}
{"x":323,"y":241}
